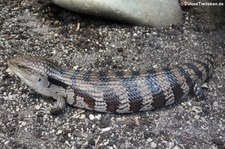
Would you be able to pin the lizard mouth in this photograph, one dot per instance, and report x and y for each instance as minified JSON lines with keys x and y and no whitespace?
{"x":12,"y":65}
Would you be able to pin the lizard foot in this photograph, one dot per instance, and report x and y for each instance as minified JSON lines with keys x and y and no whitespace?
{"x":56,"y":109}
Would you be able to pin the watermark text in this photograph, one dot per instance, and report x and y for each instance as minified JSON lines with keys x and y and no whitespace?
{"x":201,"y":4}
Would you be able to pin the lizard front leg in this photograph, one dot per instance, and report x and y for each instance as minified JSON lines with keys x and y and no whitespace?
{"x":50,"y":88}
{"x":58,"y":106}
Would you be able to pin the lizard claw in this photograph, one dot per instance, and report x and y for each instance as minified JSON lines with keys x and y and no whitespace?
{"x":49,"y":111}
{"x":56,"y":109}
{"x":43,"y":111}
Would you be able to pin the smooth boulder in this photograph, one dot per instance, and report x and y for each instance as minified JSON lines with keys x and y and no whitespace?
{"x":155,"y":13}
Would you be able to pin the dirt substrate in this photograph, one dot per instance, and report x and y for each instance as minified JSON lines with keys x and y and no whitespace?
{"x":83,"y":42}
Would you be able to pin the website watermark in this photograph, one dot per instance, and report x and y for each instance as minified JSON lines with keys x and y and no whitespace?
{"x":185,"y":3}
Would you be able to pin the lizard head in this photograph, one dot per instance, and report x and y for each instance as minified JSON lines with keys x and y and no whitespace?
{"x":28,"y":69}
{"x":36,"y":73}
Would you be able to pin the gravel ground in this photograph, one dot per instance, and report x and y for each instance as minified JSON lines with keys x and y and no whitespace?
{"x":84,"y":42}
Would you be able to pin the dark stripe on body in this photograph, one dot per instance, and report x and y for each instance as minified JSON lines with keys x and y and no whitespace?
{"x":87,"y":99}
{"x":111,"y":100}
{"x":205,"y":65}
{"x":103,"y":76}
{"x":151,"y":71}
{"x":135,"y":73}
{"x":197,"y":72}
{"x":133,"y":92}
{"x":176,"y":87}
{"x":186,"y":75}
{"x":74,"y":78}
{"x":110,"y":97}
{"x":86,"y":76}
{"x":119,"y":74}
{"x":56,"y":82}
{"x":156,"y":90}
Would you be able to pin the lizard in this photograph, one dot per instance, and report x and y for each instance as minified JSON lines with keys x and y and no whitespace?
{"x":114,"y":91}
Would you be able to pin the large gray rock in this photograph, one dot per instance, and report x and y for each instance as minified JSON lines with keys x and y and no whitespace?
{"x":142,"y":12}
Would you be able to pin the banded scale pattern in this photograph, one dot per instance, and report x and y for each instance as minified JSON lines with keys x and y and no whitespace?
{"x":124,"y":92}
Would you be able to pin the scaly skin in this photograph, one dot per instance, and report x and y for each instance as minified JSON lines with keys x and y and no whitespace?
{"x":113,"y":91}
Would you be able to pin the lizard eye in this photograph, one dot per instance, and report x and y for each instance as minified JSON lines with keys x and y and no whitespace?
{"x":24,"y":67}
{"x":21,"y":66}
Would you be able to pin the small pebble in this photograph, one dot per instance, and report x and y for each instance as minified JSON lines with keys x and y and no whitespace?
{"x":106,"y":129}
{"x":59,"y":132}
{"x":153,"y":145}
{"x":91,"y":117}
{"x":149,"y":140}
